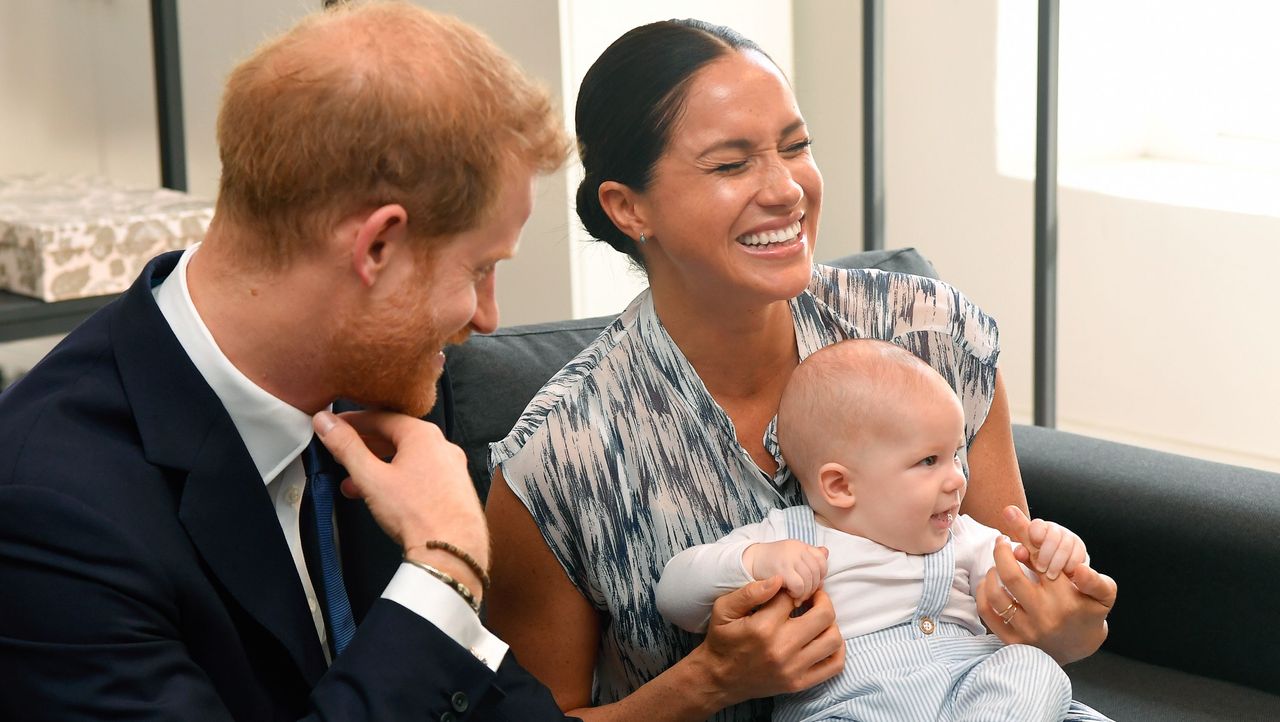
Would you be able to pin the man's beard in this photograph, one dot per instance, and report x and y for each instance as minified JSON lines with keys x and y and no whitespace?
{"x":385,"y":365}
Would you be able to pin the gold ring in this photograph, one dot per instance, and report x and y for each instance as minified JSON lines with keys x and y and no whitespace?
{"x":1007,"y":614}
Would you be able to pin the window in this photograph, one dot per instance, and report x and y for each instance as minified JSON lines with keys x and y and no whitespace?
{"x":1170,"y":101}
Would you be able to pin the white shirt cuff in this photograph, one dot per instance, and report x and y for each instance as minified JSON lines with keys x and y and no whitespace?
{"x":436,"y":602}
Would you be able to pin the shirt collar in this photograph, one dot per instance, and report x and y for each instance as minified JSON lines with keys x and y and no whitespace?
{"x":274,"y":432}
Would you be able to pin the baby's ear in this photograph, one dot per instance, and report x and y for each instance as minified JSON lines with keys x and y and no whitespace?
{"x":835,"y":483}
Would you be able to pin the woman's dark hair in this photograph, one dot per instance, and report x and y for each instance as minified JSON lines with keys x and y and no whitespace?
{"x":629,"y":100}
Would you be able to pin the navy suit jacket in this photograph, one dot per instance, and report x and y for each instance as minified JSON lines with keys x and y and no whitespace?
{"x":144,"y":575}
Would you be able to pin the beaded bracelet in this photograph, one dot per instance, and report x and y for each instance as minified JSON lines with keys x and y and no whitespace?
{"x":462,"y":556}
{"x":456,"y":585}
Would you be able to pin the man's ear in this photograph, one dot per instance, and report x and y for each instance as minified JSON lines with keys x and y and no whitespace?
{"x":378,"y":238}
{"x":625,"y":208}
{"x":835,"y":483}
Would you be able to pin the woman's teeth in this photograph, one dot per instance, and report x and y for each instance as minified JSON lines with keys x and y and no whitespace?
{"x":782,"y":235}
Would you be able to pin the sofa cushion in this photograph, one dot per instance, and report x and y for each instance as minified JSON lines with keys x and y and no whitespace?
{"x":494,"y":376}
{"x":1132,"y":691}
{"x":1192,"y":544}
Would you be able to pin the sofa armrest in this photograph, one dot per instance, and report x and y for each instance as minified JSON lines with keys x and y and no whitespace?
{"x":1193,"y":545}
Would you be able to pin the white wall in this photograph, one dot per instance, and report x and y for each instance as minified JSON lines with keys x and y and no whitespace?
{"x":1164,"y":312}
{"x":828,"y":85}
{"x":76,"y":89}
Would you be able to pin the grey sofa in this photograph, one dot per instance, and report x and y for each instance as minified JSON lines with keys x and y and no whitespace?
{"x":1194,"y":546}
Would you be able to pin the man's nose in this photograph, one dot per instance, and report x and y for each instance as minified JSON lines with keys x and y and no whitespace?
{"x":485,"y":319}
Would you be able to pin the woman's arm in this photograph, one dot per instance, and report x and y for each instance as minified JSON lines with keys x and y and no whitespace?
{"x":1067,"y":621}
{"x":555,"y":633}
{"x":994,"y":478}
{"x":532,"y":605}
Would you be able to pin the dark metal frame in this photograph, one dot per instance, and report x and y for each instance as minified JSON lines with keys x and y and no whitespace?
{"x":872,"y":124}
{"x":168,"y":78}
{"x":23,"y":317}
{"x":1044,"y":364}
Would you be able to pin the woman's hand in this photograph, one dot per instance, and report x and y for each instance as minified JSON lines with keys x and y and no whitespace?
{"x":755,"y":648}
{"x":1066,"y":617}
{"x":1053,"y":548}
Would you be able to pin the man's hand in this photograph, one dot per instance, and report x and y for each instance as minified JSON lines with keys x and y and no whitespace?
{"x":800,"y":566}
{"x":422,"y":493}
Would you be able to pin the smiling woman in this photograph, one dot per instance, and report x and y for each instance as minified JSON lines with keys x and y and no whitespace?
{"x":736,"y":174}
{"x":661,"y":434}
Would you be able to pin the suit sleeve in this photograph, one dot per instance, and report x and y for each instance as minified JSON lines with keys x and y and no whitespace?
{"x":90,"y":629}
{"x":87,"y":626}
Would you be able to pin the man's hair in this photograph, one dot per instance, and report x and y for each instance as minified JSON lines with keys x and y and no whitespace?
{"x":844,"y":392}
{"x":369,"y":104}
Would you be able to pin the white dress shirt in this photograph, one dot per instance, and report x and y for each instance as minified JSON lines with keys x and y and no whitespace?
{"x":275,"y":434}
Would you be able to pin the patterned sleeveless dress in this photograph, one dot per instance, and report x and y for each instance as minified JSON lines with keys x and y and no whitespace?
{"x":624,"y":459}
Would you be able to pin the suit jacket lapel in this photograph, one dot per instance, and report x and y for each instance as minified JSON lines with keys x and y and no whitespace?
{"x":224,"y":505}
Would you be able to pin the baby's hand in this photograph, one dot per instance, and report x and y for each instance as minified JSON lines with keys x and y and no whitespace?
{"x":1054,"y":549}
{"x":802,"y":567}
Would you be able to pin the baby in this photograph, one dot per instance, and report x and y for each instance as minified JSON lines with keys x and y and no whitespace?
{"x":876,"y":438}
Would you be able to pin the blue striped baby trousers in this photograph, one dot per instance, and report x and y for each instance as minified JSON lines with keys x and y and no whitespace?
{"x":926,"y":670}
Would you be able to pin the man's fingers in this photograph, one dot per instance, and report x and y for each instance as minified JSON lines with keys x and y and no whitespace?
{"x":344,"y":442}
{"x":386,"y":432}
{"x":349,"y":489}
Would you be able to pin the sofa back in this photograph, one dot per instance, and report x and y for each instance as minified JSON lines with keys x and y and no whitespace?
{"x":494,"y":376}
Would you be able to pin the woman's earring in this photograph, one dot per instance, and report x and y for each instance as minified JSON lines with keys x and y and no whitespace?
{"x":642,"y":239}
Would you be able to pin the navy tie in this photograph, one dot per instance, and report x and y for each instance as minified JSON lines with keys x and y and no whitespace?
{"x":321,"y":482}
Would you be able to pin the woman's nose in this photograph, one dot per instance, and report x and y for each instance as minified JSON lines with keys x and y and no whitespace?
{"x":779,"y":187}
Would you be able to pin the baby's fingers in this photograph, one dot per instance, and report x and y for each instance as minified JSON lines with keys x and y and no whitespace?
{"x":1047,"y":546}
{"x":1078,"y":554}
{"x":1066,"y":549}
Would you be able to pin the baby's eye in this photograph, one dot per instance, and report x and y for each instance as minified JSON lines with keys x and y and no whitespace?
{"x":929,"y":460}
